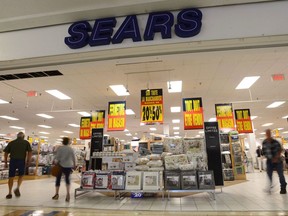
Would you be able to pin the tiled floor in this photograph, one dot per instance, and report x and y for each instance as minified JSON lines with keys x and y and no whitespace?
{"x":239,"y":199}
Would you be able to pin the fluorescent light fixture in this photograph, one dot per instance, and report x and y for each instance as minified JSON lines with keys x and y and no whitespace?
{"x":126,"y":130}
{"x":175,"y":109}
{"x":45,"y":116}
{"x":43,"y":132}
{"x":212,"y":120}
{"x":247,"y":82}
{"x":135,"y":138}
{"x":176,"y":132}
{"x":280,"y":129}
{"x":9,"y":118}
{"x":285,"y":132}
{"x":142,"y":124}
{"x":130,"y":112}
{"x":16,"y":127}
{"x":3,"y":101}
{"x":153,"y":129}
{"x":285,"y":117}
{"x":267,"y":124}
{"x":44,"y":126}
{"x":263,"y":133}
{"x":59,"y":139}
{"x":74,"y":125}
{"x":253,"y":117}
{"x":62,"y":136}
{"x":176,"y":128}
{"x":44,"y":137}
{"x":128,"y":134}
{"x":201,"y":132}
{"x":276,"y":104}
{"x":119,"y":90}
{"x":58,"y":94}
{"x":85,"y":114}
{"x":2,"y":134}
{"x":176,"y":121}
{"x":174,"y":86}
{"x":69,"y":132}
{"x":177,"y":136}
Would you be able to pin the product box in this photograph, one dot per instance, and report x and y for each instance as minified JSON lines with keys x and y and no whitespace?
{"x":133,"y":180}
{"x":102,"y":181}
{"x":115,"y":166}
{"x":130,"y":166}
{"x":118,"y":180}
{"x":88,"y":180}
{"x":151,"y":181}
{"x":189,"y":180}
{"x":206,"y":180}
{"x":172,"y":180}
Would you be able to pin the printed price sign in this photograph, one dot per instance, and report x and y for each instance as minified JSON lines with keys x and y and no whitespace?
{"x":243,"y":121}
{"x":152,"y":106}
{"x":224,"y":115}
{"x":98,"y":119}
{"x":116,"y":116}
{"x":85,"y":128}
{"x":193,"y":113}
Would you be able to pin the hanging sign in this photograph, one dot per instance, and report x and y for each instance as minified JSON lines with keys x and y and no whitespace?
{"x":224,"y":115}
{"x":98,"y":119}
{"x":193,"y":113}
{"x":152,"y":106}
{"x":85,"y":128}
{"x":243,"y":121}
{"x":116,"y":116}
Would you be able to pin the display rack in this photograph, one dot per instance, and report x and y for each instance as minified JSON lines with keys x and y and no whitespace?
{"x":211,"y":192}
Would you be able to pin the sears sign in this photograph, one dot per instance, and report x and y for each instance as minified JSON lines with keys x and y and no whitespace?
{"x":187,"y":24}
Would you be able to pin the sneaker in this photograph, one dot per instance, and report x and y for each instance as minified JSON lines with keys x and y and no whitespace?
{"x":55,"y":197}
{"x":17,"y":192}
{"x":9,"y":196}
{"x":283,"y":191}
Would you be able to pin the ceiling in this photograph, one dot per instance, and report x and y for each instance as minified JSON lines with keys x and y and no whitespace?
{"x":212,"y":75}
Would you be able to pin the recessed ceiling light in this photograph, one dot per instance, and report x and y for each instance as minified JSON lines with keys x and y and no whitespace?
{"x":153,"y":129}
{"x":201,"y":132}
{"x":285,"y":132}
{"x":43,"y":132}
{"x":177,"y":136}
{"x":58,"y":94}
{"x":2,"y":134}
{"x":130,"y":112}
{"x":176,"y":128}
{"x":128,"y":134}
{"x":126,"y":130}
{"x":247,"y":82}
{"x":142,"y":124}
{"x":74,"y":125}
{"x":86,"y":114}
{"x":69,"y":132}
{"x":285,"y":117}
{"x":276,"y":104}
{"x":135,"y":138}
{"x":267,"y":124}
{"x":119,"y":90}
{"x":175,"y":109}
{"x":44,"y":137}
{"x":59,"y":139}
{"x":253,"y":117}
{"x":176,"y":132}
{"x":45,"y":116}
{"x":176,"y":121}
{"x":174,"y":86}
{"x":262,"y":133}
{"x":212,"y":120}
{"x":16,"y":127}
{"x":62,"y":136}
{"x":280,"y":129}
{"x":3,"y":101}
{"x":44,"y":126}
{"x":9,"y":118}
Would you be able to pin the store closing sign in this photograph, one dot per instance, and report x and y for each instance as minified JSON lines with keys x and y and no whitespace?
{"x":116,"y":116}
{"x":98,"y":119}
{"x":243,"y":121}
{"x":152,"y":106}
{"x":224,"y":115}
{"x":193,"y":113}
{"x":81,"y":33}
{"x":85,"y":128}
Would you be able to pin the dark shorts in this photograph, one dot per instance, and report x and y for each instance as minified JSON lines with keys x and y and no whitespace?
{"x":16,"y":164}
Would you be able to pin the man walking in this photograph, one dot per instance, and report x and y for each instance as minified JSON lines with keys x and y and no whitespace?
{"x":19,"y":150}
{"x":272,"y":151}
{"x":259,"y":158}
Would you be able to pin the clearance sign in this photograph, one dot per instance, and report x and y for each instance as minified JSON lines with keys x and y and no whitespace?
{"x":243,"y":121}
{"x":193,"y":113}
{"x":224,"y":115}
{"x":152,"y":106}
{"x":85,"y":128}
{"x":98,"y":119}
{"x":116,"y":116}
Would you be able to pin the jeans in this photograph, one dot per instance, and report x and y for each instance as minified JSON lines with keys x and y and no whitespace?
{"x":279,"y":168}
{"x":66,"y":172}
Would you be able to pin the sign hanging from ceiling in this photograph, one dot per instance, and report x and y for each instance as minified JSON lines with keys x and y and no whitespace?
{"x":193,"y":113}
{"x":243,"y":121}
{"x":116,"y":116}
{"x":85,"y":128}
{"x":98,"y":119}
{"x":188,"y":24}
{"x":224,"y":115}
{"x":152,"y":106}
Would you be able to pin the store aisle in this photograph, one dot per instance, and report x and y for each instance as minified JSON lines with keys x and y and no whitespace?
{"x":245,"y":197}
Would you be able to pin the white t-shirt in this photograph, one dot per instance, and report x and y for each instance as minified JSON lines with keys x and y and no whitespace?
{"x":87,"y":154}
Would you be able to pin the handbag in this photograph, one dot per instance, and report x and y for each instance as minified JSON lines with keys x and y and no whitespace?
{"x":55,"y":170}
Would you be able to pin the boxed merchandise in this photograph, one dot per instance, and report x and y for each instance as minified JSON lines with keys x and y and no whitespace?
{"x":156,"y":169}
{"x":129,"y":166}
{"x":191,"y":145}
{"x":189,"y":180}
{"x":141,"y":168}
{"x":173,"y":162}
{"x":172,"y":180}
{"x":102,"y":180}
{"x":118,"y":180}
{"x":115,"y":165}
{"x":157,"y":148}
{"x":133,"y":180}
{"x":173,"y":145}
{"x":206,"y":180}
{"x":142,"y":161}
{"x":228,"y":175}
{"x":155,"y":163}
{"x":151,"y":181}
{"x":88,"y":180}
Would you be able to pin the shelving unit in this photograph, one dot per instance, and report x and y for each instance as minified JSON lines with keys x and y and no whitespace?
{"x":226,"y":157}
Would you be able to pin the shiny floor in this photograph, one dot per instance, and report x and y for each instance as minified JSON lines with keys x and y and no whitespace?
{"x":247,"y":198}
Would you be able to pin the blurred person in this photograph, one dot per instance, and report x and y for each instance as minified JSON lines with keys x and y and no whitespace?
{"x":87,"y":155}
{"x":272,"y":151}
{"x":65,"y":157}
{"x":20,"y":151}
{"x":259,"y":157}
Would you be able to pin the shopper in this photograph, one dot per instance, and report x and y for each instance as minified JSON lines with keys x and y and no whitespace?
{"x":259,"y":157}
{"x":87,"y":155}
{"x":19,"y":151}
{"x":272,"y":151}
{"x":65,"y":157}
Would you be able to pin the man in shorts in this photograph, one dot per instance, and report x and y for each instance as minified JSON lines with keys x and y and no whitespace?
{"x":20,"y":151}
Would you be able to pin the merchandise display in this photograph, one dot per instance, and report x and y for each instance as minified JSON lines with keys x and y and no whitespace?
{"x":228,"y":173}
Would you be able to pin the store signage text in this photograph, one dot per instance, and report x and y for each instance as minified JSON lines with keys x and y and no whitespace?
{"x":224,"y":115}
{"x":116,"y":116}
{"x":81,"y":33}
{"x":243,"y":121}
{"x":193,"y":113}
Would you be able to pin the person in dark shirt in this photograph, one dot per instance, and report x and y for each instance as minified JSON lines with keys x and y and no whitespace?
{"x":259,"y":158}
{"x":272,"y":151}
{"x":19,"y":151}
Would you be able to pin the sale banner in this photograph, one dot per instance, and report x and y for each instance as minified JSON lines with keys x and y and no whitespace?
{"x":116,"y":116}
{"x":98,"y":119}
{"x":243,"y":121}
{"x":85,"y":128}
{"x":151,"y":106}
{"x":224,"y":115}
{"x":193,"y":113}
